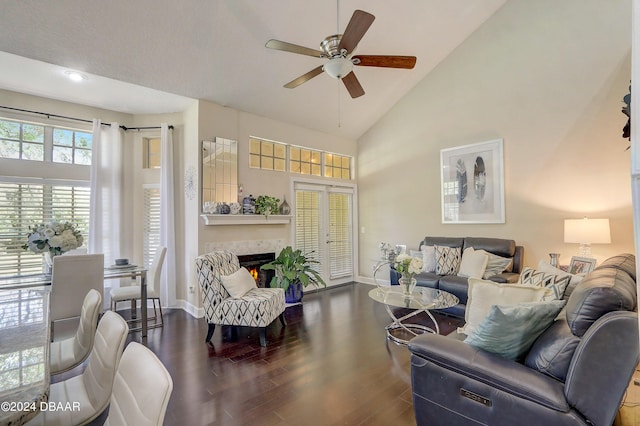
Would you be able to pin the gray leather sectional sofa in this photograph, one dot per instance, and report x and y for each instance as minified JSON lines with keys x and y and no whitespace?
{"x":576,"y":372}
{"x":458,"y":286}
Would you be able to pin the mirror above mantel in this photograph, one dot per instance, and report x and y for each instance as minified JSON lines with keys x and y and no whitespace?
{"x":219,"y":171}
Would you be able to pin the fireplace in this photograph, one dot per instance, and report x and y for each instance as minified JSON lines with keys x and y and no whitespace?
{"x":253,"y":262}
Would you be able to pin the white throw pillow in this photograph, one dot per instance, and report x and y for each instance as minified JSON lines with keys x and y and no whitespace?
{"x":473,"y":263}
{"x":239,"y":283}
{"x":496,"y":264}
{"x":428,"y":258}
{"x":484,"y":294}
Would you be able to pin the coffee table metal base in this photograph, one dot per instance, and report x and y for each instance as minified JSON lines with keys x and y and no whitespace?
{"x":413,"y":329}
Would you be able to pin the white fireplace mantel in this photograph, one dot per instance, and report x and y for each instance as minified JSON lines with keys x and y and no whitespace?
{"x":245,"y":219}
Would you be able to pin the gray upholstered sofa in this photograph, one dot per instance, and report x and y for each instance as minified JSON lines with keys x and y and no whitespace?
{"x":576,"y":372}
{"x":458,"y":285}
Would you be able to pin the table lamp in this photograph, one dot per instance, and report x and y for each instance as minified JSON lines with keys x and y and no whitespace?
{"x":586,"y":232}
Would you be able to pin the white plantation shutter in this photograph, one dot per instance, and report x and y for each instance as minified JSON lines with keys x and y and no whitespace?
{"x":151,"y":237}
{"x":28,"y":202}
{"x":340,"y":235}
{"x":308,"y":226}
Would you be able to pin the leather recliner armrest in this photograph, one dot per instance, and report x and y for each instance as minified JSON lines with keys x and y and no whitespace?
{"x":490,"y":369}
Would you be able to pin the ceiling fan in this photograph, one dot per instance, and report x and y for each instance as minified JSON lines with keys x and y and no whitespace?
{"x":339,"y":49}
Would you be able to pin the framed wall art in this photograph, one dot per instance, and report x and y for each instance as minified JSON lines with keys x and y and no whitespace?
{"x":472,"y":182}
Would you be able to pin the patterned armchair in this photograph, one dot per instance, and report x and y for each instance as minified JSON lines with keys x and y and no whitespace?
{"x":258,"y":308}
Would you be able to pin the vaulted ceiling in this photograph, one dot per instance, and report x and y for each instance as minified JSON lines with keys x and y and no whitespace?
{"x":149,"y":56}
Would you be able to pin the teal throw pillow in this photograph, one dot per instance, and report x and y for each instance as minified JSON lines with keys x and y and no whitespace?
{"x":511,"y":330}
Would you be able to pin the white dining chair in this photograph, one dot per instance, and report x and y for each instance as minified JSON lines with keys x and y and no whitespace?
{"x":67,"y":354}
{"x":73,"y":276}
{"x":141,"y":389}
{"x":132,"y":293}
{"x":87,"y":395}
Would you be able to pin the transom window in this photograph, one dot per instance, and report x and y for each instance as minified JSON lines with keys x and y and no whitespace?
{"x":28,"y":141}
{"x":270,"y":155}
{"x":151,"y":153}
{"x":337,"y":166}
{"x":267,"y":155}
{"x":305,"y":161}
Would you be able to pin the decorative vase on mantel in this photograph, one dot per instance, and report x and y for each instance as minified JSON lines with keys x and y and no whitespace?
{"x":284,"y":207}
{"x":407,"y":284}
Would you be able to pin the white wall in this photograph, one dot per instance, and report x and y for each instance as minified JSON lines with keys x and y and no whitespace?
{"x":548,"y":77}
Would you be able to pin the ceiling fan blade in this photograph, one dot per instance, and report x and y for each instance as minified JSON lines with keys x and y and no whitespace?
{"x":406,"y":62}
{"x":353,"y":85}
{"x":357,"y":26}
{"x":304,"y":78}
{"x":293,"y":48}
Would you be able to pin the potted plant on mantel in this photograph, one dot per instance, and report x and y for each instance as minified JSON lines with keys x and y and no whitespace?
{"x":292,"y":272}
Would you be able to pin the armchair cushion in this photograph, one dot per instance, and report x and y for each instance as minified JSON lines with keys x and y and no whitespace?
{"x":238,"y":283}
{"x":511,"y":330}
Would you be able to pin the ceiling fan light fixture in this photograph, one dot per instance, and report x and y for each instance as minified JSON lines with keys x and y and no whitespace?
{"x":338,"y":67}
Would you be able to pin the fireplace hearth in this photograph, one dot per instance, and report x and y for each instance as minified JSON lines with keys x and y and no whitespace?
{"x":253,"y":262}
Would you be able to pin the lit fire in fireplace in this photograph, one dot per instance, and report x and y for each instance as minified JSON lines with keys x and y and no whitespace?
{"x":254,"y":273}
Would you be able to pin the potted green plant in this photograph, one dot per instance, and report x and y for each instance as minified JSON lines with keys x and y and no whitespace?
{"x":266,"y":205}
{"x":293,"y":270}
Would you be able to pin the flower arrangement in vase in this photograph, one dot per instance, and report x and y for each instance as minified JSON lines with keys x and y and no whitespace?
{"x":53,"y":239}
{"x":407,"y":266}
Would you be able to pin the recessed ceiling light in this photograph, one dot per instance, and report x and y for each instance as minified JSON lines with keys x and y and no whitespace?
{"x":75,"y":76}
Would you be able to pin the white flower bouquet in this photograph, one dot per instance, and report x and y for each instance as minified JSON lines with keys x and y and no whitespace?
{"x":407,"y":266}
{"x":54,"y":238}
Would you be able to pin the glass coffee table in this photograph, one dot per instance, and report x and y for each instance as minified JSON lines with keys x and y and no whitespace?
{"x":422,"y":300}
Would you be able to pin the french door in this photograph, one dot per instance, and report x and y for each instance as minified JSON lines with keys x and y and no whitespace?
{"x":324,"y":226}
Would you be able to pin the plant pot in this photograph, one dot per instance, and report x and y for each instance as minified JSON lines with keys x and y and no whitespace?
{"x":293,"y":294}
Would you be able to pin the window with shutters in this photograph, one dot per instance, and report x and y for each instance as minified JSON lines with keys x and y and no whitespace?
{"x":308,"y":225}
{"x":340,"y":235}
{"x":151,"y":232}
{"x":27,"y":202}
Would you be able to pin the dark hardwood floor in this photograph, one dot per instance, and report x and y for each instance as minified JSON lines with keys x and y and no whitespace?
{"x":331,"y":365}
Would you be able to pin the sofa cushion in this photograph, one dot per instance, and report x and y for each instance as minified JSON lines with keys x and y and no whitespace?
{"x":510,"y":330}
{"x":484,"y":294}
{"x":473,"y":263}
{"x":603,"y":290}
{"x":458,"y":286}
{"x":427,"y":279}
{"x":443,"y":241}
{"x":551,"y":354}
{"x":554,"y":284}
{"x":447,"y":260}
{"x":625,"y":262}
{"x":499,"y":246}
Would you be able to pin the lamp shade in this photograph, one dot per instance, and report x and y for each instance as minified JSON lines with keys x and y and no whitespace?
{"x":587,"y":231}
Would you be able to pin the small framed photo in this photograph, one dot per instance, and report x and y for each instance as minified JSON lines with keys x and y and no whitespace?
{"x":581,"y":265}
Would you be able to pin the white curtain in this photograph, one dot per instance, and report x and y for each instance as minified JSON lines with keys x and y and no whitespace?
{"x":106,"y":191}
{"x":167,"y":217}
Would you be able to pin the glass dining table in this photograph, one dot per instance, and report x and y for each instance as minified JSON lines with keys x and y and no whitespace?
{"x":25,"y":337}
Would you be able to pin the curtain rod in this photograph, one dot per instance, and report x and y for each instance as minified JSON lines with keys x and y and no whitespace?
{"x":48,"y":115}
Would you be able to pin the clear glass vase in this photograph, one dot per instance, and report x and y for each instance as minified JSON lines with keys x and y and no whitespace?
{"x":407,"y":285}
{"x":47,"y":264}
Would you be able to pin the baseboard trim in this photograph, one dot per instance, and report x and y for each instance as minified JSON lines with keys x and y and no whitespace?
{"x":190,"y":308}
